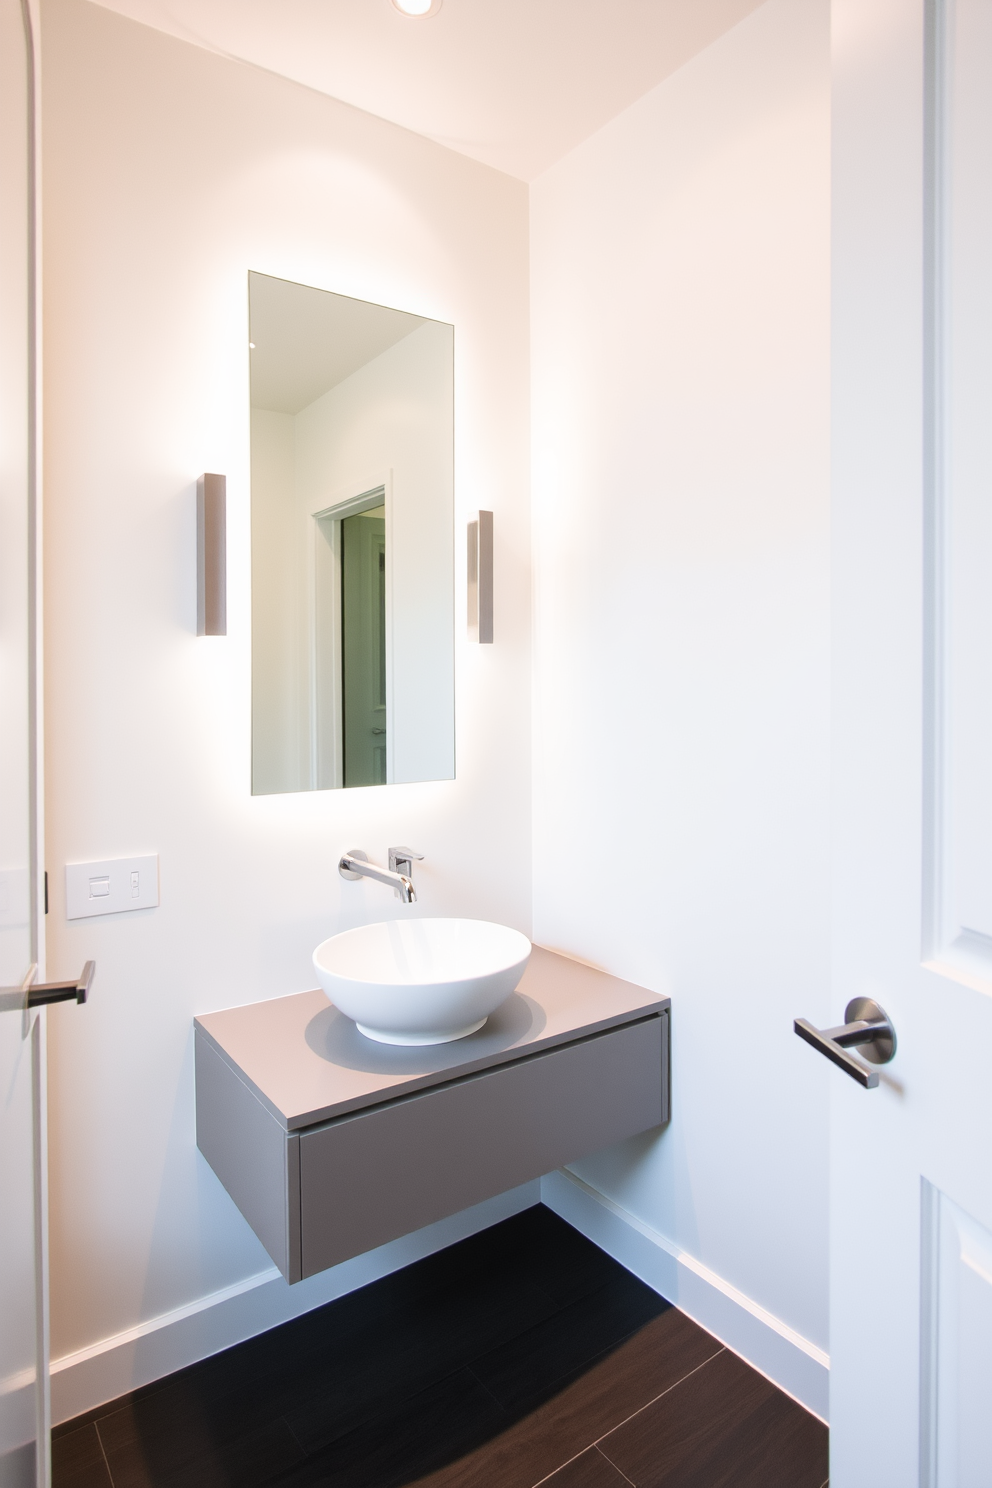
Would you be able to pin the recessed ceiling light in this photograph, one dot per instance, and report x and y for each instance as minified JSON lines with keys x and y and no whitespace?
{"x":417,"y":8}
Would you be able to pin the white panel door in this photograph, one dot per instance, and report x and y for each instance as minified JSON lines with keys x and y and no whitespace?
{"x":911,"y":1161}
{"x":23,"y":1363}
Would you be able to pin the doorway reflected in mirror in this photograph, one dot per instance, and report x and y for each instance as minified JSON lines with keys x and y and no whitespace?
{"x":363,"y":647}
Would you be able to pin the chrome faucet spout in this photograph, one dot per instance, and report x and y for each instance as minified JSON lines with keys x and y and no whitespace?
{"x":355,"y":864}
{"x":405,"y":889}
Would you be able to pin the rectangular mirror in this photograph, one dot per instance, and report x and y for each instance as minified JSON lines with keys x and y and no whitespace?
{"x":352,"y":541}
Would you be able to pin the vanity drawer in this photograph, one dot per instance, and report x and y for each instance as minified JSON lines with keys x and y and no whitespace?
{"x":386,"y":1171}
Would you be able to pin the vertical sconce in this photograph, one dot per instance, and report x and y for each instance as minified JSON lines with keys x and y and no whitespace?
{"x":211,"y":555}
{"x":480,"y":579}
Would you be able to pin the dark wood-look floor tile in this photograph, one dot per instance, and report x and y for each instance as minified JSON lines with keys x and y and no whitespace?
{"x":418,"y":1348}
{"x":650,"y":1361}
{"x":339,"y":1376}
{"x":408,"y":1443}
{"x":591,"y":1470}
{"x":488,"y":1365}
{"x":477,"y":1282}
{"x":190,"y":1456}
{"x":333,"y":1366}
{"x":78,"y":1460}
{"x":526,"y":1370}
{"x":560,"y":1260}
{"x":724,"y":1426}
{"x":85,"y":1418}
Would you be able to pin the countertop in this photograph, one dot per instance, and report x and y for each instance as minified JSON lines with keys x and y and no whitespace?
{"x":307,"y":1062}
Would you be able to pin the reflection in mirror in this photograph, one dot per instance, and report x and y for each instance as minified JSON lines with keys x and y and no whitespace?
{"x":352,"y":523}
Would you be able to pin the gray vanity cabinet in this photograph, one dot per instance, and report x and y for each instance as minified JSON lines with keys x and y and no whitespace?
{"x":331,"y":1145}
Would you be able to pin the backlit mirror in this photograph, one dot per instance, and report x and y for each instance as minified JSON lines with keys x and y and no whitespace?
{"x":352,"y":529}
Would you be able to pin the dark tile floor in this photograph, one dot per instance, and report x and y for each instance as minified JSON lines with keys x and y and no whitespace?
{"x":523,"y":1355}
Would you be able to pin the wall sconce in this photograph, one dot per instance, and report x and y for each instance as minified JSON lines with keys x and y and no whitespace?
{"x":211,"y":555}
{"x":480,"y":579}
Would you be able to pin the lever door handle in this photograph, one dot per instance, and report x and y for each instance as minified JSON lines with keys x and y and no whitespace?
{"x":867,"y":1027}
{"x":78,"y":989}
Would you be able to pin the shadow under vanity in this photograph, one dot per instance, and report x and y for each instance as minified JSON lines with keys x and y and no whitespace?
{"x":331,"y":1145}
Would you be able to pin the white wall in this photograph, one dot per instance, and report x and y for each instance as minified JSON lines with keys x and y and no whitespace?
{"x":169,"y":173}
{"x":680,"y":373}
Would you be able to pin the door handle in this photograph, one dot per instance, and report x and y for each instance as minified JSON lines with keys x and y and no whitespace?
{"x":867,"y":1028}
{"x":27,"y":995}
{"x":77,"y":988}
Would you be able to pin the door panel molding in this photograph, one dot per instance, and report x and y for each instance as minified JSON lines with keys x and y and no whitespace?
{"x":957,"y":929}
{"x":956,"y":1344}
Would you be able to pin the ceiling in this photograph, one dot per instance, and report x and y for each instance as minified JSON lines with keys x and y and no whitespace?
{"x":513,"y":83}
{"x":305,"y":341}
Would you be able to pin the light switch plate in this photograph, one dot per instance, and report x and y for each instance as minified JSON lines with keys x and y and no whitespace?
{"x":111,"y":886}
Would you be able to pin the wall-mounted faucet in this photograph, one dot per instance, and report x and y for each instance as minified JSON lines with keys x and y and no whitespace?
{"x":399,"y":875}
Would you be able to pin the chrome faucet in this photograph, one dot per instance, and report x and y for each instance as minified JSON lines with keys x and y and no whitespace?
{"x":399,"y":875}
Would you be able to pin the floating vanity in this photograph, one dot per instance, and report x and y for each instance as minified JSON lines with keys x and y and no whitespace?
{"x":331,"y":1144}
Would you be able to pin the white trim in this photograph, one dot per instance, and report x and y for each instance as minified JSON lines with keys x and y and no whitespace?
{"x":165,"y":1320}
{"x":325,"y":738}
{"x":91,"y":1376}
{"x":790,"y":1361}
{"x":102,"y":1371}
{"x":352,"y":506}
{"x":31,"y":22}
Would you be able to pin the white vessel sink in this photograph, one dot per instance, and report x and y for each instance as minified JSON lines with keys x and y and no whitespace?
{"x":421,"y":981}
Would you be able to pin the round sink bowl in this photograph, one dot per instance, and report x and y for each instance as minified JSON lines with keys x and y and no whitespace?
{"x":421,"y":981}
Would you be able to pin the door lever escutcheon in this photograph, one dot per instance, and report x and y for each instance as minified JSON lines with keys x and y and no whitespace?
{"x":868,"y":1028}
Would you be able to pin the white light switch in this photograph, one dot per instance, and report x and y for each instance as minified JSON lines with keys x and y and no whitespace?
{"x":109,"y":887}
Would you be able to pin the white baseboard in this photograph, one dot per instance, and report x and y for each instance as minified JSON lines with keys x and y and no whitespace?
{"x":90,"y":1377}
{"x":777,"y":1351}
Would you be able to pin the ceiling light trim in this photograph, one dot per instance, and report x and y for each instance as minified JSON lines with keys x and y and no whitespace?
{"x":415,"y":15}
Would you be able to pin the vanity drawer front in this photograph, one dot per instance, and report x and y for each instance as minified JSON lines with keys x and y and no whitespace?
{"x":379,"y":1174}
